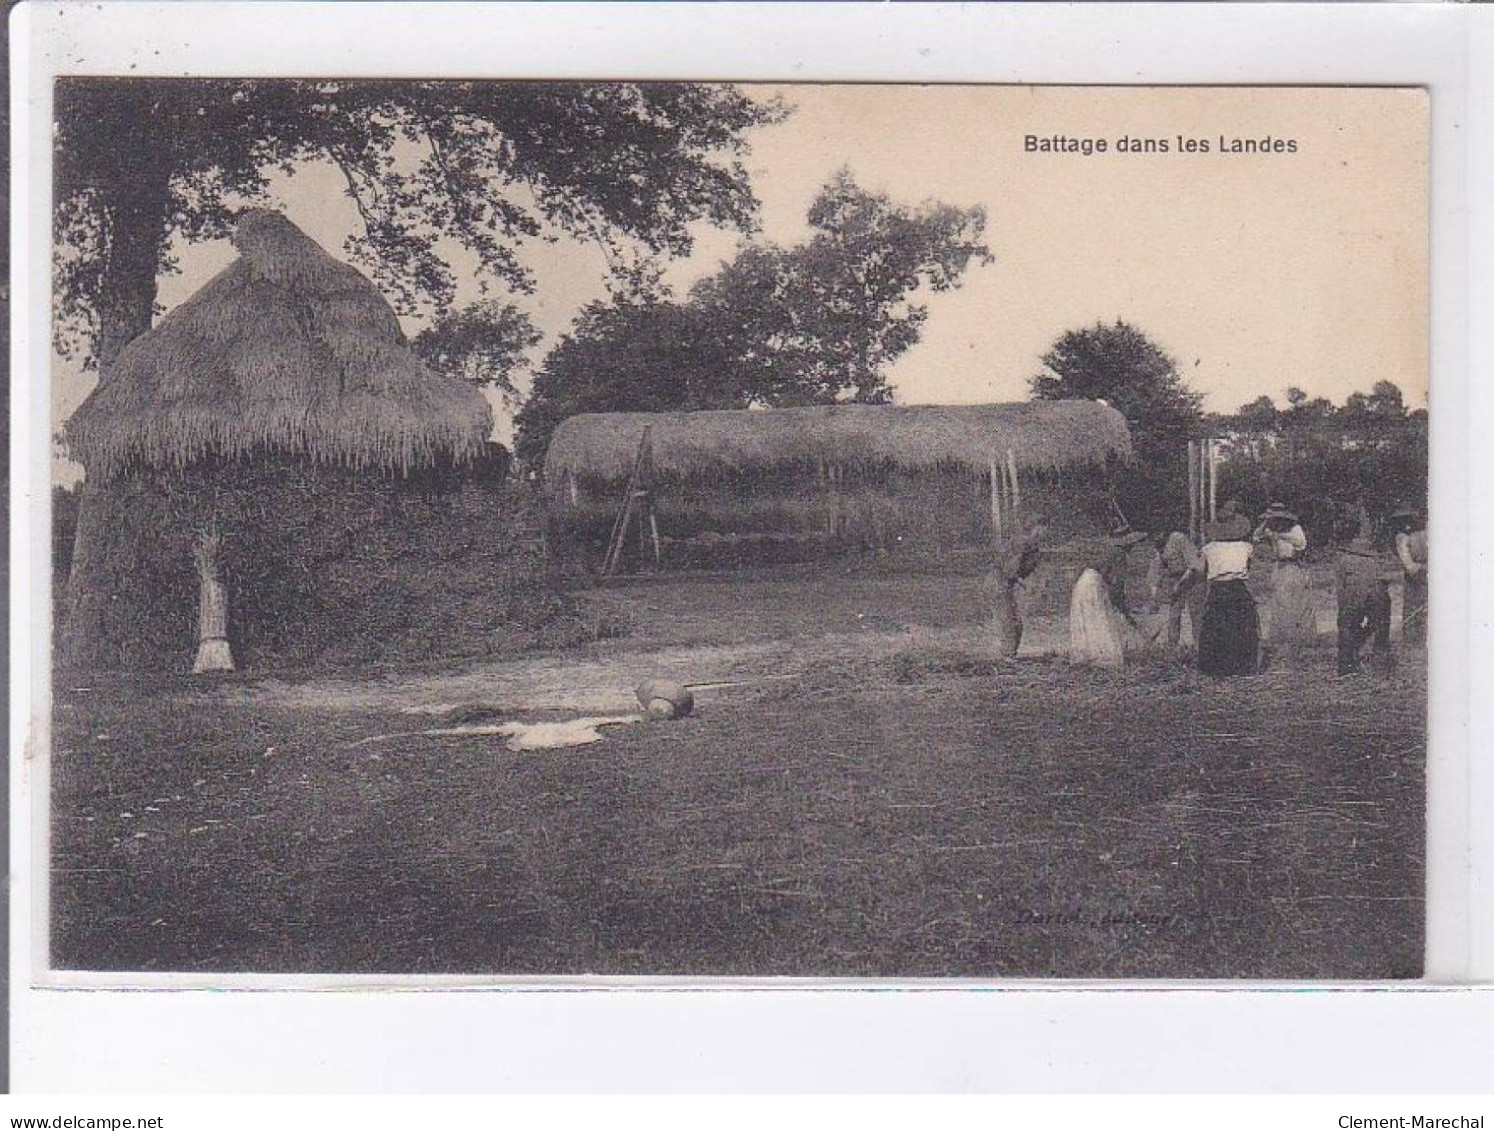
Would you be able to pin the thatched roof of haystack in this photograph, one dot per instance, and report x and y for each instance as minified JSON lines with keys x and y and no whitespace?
{"x":1041,"y":435}
{"x":285,"y":350}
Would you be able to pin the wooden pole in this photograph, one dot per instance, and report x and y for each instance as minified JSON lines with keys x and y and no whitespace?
{"x":213,"y":652}
{"x":646,"y":490}
{"x":995,"y":498}
{"x":614,"y":551}
{"x":625,"y":516}
{"x":1213,"y":482}
{"x":1011,"y":473}
{"x":1203,"y":481}
{"x":1193,"y":524}
{"x":642,"y":524}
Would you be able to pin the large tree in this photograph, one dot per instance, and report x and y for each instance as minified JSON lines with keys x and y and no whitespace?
{"x":814,"y":323}
{"x":823,"y":320}
{"x":1117,"y":363}
{"x":141,"y":162}
{"x":633,"y":354}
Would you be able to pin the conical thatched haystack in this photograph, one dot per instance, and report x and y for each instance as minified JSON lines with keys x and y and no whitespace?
{"x":263,"y":440}
{"x":286,"y":351}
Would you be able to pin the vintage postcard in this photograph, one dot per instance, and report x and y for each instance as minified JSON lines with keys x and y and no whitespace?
{"x":734,"y":530}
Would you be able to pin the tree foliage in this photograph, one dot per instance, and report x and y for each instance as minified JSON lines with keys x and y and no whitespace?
{"x":624,"y":355}
{"x":141,"y":162}
{"x":1315,"y":457}
{"x":485,"y":343}
{"x":822,"y":321}
{"x":814,"y":323}
{"x":1119,"y":364}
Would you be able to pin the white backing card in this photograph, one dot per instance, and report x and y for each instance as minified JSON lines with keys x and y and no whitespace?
{"x":801,"y":1035}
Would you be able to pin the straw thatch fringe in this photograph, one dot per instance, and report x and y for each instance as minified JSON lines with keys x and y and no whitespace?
{"x":1042,"y":436}
{"x":286,"y":349}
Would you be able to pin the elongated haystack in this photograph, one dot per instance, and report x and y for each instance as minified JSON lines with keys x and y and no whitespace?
{"x":734,"y":487}
{"x":1042,"y":436}
{"x":287,"y":351}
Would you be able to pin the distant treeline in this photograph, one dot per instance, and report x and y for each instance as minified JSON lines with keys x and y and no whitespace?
{"x":1318,"y":458}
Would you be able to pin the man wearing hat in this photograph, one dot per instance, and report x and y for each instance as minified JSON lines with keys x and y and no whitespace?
{"x":1117,"y":564}
{"x":1018,"y":560}
{"x":1180,"y":584}
{"x":1362,"y":583}
{"x":1280,"y":530}
{"x":1292,"y":616}
{"x":1411,"y":550}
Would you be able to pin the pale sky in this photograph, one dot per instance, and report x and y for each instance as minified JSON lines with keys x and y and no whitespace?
{"x":1255,"y":271}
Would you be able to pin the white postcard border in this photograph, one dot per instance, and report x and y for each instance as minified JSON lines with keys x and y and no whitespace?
{"x":686,"y":1037}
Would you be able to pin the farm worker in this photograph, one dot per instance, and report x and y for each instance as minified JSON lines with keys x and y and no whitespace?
{"x":1100,"y":628}
{"x":1230,"y":641}
{"x":1362,"y":583}
{"x":1411,"y":551}
{"x":1180,"y":585}
{"x":1017,"y":561}
{"x":1292,"y":617}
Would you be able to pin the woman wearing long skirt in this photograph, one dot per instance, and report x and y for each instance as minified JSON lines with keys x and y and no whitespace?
{"x":1292,"y":618}
{"x":1099,"y":631}
{"x":1230,"y":643}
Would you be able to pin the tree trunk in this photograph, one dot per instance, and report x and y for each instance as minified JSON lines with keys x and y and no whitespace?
{"x":126,"y":305}
{"x":135,"y":183}
{"x":213,"y":653}
{"x":127,"y":294}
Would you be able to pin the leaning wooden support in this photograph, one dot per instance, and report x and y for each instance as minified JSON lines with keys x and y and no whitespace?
{"x":637,"y":492}
{"x":213,"y":652}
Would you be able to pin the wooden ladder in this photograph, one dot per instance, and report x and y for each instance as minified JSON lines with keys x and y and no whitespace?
{"x":637,"y":499}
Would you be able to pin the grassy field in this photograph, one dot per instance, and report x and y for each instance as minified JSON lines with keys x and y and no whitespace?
{"x":896,"y":806}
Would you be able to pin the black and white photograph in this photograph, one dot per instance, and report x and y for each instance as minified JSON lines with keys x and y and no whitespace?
{"x":706,"y":530}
